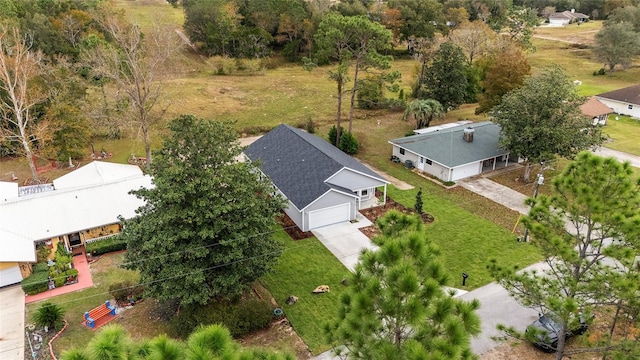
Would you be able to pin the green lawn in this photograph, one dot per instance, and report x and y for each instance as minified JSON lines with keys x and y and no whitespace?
{"x":304,"y":265}
{"x":623,"y":133}
{"x":466,"y":240}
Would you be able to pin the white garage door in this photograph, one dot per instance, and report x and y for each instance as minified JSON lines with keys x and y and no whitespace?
{"x":10,"y":276}
{"x":328,"y":216}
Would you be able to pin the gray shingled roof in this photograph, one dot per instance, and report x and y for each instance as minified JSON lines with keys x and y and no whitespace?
{"x":447,"y":147}
{"x":298,"y":163}
{"x":629,"y":95}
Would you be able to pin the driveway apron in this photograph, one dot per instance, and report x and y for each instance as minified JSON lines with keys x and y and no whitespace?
{"x":345,"y":240}
{"x":12,"y":323}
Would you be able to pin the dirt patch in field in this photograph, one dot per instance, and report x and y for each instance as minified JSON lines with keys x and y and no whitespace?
{"x":516,"y":349}
{"x":280,"y":335}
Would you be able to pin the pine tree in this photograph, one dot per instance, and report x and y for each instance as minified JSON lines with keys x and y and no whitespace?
{"x":396,"y":307}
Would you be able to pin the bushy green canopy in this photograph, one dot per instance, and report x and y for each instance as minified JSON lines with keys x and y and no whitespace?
{"x":205,"y":230}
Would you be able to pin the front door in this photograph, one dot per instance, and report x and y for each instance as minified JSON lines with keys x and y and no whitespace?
{"x":74,"y":239}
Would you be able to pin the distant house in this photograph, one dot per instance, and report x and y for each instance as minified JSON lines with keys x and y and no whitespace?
{"x":322,"y":184}
{"x":625,"y":101}
{"x":596,"y":111}
{"x":453,"y":152}
{"x":78,"y":208}
{"x":567,"y":17}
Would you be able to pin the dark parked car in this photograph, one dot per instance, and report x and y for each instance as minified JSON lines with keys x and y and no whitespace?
{"x":543,"y":333}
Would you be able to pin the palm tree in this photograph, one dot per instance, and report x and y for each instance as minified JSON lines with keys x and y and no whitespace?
{"x":48,"y":315}
{"x":423,"y":112}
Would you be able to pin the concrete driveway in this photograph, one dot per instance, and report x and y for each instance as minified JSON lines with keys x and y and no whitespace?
{"x":12,"y":323}
{"x":497,"y":193}
{"x":621,"y":156}
{"x":345,"y":241}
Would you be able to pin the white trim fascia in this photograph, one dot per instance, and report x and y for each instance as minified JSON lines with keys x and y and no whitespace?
{"x":357,"y":172}
{"x":325,"y":193}
{"x":441,"y":164}
{"x":626,"y":103}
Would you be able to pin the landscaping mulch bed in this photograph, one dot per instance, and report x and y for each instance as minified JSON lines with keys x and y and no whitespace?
{"x":375,"y":212}
{"x":292,"y":229}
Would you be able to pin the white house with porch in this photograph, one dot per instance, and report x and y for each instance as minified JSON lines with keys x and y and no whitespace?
{"x":452,"y":152}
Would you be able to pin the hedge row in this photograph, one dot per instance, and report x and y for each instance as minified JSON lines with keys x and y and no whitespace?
{"x":104,"y":246}
{"x":38,"y":281}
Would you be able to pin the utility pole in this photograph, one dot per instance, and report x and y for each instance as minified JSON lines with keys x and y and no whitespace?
{"x":539,"y":182}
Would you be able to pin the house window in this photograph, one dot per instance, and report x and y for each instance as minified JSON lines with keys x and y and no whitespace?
{"x":630,"y":107}
{"x":428,"y":161}
{"x":401,"y":151}
{"x":364,"y":192}
{"x":421,"y":160}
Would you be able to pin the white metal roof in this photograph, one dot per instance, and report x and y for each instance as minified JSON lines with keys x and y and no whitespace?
{"x":27,"y":219}
{"x":96,"y":172}
{"x":8,"y":190}
{"x":441,"y":127}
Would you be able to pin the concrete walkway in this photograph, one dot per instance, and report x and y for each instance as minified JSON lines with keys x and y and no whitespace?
{"x":12,"y":323}
{"x":84,"y":281}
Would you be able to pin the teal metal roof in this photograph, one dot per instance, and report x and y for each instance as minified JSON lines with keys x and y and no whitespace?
{"x":447,"y":146}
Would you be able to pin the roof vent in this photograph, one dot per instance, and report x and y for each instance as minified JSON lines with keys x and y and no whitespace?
{"x":467,"y":135}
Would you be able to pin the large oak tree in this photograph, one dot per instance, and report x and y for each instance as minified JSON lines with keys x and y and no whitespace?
{"x":205,"y":230}
{"x":542,"y":119}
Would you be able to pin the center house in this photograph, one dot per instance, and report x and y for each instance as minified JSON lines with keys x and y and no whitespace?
{"x":322,"y":184}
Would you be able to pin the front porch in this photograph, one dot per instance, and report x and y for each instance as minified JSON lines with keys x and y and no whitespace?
{"x":370,"y":203}
{"x":496,"y":163}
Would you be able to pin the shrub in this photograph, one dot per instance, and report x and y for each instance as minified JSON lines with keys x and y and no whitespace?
{"x":71,"y":273}
{"x":333,"y":133}
{"x":309,"y":125}
{"x":36,"y":283}
{"x":42,"y":252}
{"x":348,"y":143}
{"x":120,"y":291}
{"x":222,"y":65}
{"x":251,"y":315}
{"x":48,"y":314}
{"x":370,"y":94}
{"x":240,"y":317}
{"x":114,"y":243}
{"x":249,"y":66}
